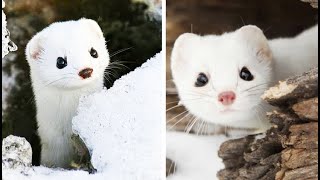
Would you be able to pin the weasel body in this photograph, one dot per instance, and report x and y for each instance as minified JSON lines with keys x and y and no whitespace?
{"x":67,"y":60}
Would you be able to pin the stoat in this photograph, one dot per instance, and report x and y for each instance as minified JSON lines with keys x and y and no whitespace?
{"x":67,"y":60}
{"x":220,"y":78}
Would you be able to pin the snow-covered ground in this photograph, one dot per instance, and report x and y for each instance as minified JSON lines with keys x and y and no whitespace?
{"x":123,"y":128}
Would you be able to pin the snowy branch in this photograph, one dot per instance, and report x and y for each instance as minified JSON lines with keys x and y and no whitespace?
{"x":7,"y":44}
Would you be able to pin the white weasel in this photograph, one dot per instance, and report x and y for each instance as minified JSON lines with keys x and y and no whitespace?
{"x":67,"y":60}
{"x":220,"y":78}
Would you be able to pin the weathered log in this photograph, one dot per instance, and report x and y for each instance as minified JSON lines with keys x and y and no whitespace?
{"x":232,"y":151}
{"x":307,"y":109}
{"x":303,"y":173}
{"x":303,"y":136}
{"x":251,"y":157}
{"x":292,"y":90}
{"x":228,"y":174}
{"x":296,"y":158}
{"x":313,"y":3}
{"x":289,"y":149}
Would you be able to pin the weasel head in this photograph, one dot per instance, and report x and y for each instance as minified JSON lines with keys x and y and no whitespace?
{"x":220,"y":78}
{"x":68,"y":55}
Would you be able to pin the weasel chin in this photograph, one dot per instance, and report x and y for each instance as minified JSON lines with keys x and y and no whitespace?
{"x":227,"y":111}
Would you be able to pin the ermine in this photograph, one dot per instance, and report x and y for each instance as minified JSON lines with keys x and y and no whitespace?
{"x":67,"y":60}
{"x":220,"y":78}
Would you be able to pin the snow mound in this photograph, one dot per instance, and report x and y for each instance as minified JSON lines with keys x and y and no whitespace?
{"x":16,"y":153}
{"x":123,"y":128}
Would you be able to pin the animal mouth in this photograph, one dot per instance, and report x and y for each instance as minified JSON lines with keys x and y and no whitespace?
{"x":228,"y":110}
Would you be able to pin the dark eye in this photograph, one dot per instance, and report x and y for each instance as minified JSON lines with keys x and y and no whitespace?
{"x":245,"y":74}
{"x":93,"y":53}
{"x":61,"y":62}
{"x":202,"y":80}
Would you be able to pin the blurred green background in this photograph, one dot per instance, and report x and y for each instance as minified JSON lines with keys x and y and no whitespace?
{"x":125,"y":24}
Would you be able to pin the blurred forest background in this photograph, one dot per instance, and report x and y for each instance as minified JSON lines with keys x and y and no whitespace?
{"x":132,"y":35}
{"x":281,"y":18}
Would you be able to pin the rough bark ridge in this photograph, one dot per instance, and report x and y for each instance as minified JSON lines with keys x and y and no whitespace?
{"x":313,"y":3}
{"x":289,"y":150}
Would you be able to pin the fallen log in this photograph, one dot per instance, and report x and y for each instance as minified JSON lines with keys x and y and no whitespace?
{"x":289,"y":149}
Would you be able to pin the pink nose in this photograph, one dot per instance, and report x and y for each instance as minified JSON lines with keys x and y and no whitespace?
{"x":227,"y":97}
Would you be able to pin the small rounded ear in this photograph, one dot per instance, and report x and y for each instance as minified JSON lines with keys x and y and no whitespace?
{"x":179,"y":47}
{"x":34,"y":47}
{"x":93,"y":26}
{"x":256,"y":40}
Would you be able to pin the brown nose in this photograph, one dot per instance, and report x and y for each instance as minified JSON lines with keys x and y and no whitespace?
{"x":85,"y":73}
{"x":227,"y":98}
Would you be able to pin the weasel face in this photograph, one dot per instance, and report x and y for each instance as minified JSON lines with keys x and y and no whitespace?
{"x":68,"y":55}
{"x":221,"y":78}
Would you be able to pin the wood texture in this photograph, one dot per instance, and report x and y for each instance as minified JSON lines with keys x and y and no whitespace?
{"x":292,"y":90}
{"x":289,"y":150}
{"x":313,"y":3}
{"x":307,"y":109}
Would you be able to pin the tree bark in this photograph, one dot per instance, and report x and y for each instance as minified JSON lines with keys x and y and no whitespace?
{"x":289,"y":149}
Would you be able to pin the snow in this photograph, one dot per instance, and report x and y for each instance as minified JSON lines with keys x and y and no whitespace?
{"x":196,"y":157}
{"x":155,"y":8}
{"x":7,"y":45}
{"x":123,"y":128}
{"x":16,"y":153}
{"x":8,"y":81}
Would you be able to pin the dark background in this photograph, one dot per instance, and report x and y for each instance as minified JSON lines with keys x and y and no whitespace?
{"x":125,"y":25}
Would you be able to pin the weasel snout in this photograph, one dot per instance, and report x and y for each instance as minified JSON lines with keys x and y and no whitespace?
{"x":86,"y":73}
{"x":227,"y":97}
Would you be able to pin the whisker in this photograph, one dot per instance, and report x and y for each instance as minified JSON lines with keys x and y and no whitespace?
{"x":179,"y":121}
{"x":254,"y":94}
{"x":178,"y":105}
{"x":265,"y":30}
{"x":200,"y":127}
{"x":176,"y":116}
{"x":254,"y":86}
{"x":119,"y":51}
{"x":189,"y":129}
{"x":184,"y":130}
{"x":195,"y":93}
{"x":111,"y":65}
{"x":183,"y":100}
{"x":242,"y":21}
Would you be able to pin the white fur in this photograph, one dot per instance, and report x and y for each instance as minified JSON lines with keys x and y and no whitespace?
{"x":296,"y":55}
{"x":221,"y":58}
{"x":57,"y":91}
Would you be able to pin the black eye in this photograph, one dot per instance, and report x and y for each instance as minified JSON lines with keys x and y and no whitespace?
{"x":245,"y":74}
{"x":93,"y":53}
{"x":61,"y":62}
{"x":202,"y":80}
